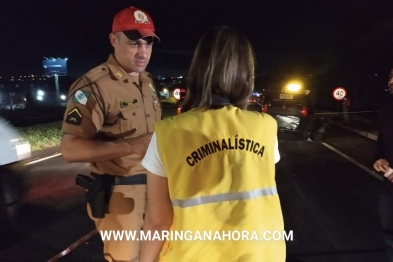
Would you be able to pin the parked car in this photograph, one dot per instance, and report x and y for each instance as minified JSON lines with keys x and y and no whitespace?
{"x":13,"y":150}
{"x":294,"y":113}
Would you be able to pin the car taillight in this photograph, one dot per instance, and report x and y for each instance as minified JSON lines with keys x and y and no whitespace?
{"x":265,"y":107}
{"x":304,"y":111}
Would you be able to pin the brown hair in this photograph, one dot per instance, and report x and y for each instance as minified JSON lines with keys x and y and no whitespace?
{"x":223,"y":64}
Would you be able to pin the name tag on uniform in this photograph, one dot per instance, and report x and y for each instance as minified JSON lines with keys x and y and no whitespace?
{"x":128,"y":103}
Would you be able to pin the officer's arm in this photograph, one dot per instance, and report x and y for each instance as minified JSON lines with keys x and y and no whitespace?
{"x":78,"y":149}
{"x":158,"y":217}
{"x":84,"y":116}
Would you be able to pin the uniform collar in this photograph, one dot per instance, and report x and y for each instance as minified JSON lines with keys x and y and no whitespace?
{"x":118,"y":73}
{"x":220,"y":100}
{"x":115,"y":70}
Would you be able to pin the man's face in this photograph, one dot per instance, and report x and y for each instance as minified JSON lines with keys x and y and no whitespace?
{"x":133,"y":56}
{"x":390,"y":82}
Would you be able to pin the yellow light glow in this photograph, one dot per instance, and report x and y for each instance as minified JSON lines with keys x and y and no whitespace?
{"x":294,"y":87}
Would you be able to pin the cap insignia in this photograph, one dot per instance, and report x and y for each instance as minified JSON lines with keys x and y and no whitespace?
{"x":141,"y":18}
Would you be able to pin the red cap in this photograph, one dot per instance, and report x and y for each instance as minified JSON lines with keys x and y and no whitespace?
{"x":134,"y":23}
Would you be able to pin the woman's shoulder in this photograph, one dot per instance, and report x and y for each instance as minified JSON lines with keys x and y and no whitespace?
{"x":173,"y":119}
{"x":259,"y":117}
{"x":257,"y":114}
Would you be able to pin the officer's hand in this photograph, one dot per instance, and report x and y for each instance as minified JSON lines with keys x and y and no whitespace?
{"x":381,"y":165}
{"x":139,"y":144}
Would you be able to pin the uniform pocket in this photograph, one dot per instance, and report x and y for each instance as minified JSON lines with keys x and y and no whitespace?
{"x":133,"y":117}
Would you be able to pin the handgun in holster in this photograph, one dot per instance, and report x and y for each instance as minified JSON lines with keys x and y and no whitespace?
{"x":98,"y":192}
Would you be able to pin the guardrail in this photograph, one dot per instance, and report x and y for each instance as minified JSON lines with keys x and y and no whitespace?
{"x":364,"y":123}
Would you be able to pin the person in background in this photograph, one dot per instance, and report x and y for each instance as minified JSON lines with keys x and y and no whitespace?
{"x":383,"y":163}
{"x":346,"y":103}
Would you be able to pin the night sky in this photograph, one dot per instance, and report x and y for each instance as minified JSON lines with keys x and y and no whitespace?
{"x":353,"y":37}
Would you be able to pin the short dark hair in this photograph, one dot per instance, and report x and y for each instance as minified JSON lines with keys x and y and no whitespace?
{"x":224,"y":65}
{"x":119,"y":35}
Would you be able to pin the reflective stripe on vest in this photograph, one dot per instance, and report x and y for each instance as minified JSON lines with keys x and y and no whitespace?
{"x":224,"y":197}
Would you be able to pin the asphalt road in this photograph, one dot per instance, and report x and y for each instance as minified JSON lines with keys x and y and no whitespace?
{"x":328,"y":201}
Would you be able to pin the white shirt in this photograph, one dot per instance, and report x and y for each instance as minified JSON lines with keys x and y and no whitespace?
{"x":152,"y":161}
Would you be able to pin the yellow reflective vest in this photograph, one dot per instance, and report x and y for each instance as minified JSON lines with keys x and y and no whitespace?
{"x":221,"y":177}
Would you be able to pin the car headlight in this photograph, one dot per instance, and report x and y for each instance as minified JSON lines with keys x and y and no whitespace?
{"x":23,"y":150}
{"x":293,"y":87}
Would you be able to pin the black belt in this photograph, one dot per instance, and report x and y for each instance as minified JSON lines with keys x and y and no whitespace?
{"x":139,"y":179}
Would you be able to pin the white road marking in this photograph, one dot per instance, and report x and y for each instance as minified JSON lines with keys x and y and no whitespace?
{"x":354,"y":162}
{"x":73,"y":246}
{"x":42,"y":159}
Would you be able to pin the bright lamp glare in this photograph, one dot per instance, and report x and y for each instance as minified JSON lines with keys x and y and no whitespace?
{"x":293,"y":87}
{"x":63,"y":97}
{"x":165,"y":90}
{"x":40,"y":93}
{"x":39,"y":98}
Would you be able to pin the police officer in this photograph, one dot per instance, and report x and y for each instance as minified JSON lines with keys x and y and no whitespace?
{"x":108,"y":122}
{"x":218,"y":175}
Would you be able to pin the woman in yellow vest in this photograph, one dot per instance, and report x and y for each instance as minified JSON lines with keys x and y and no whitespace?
{"x":211,"y":190}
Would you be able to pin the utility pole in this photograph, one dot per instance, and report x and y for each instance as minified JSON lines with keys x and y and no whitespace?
{"x":55,"y":67}
{"x":12,"y":100}
{"x":57,"y":89}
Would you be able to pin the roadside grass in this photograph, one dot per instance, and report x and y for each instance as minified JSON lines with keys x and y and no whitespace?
{"x":43,"y":135}
{"x":47,"y":135}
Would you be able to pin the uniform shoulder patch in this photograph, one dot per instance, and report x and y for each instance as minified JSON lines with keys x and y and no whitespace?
{"x":153,"y":90}
{"x":81,"y":97}
{"x":74,"y":117}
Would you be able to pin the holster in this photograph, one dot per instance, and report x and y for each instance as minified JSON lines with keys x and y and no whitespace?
{"x":99,"y":191}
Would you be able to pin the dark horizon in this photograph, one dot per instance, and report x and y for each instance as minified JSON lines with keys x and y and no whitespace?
{"x":329,"y":38}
